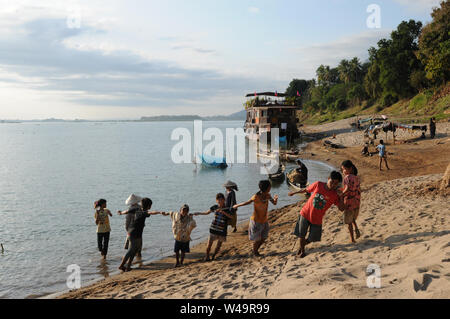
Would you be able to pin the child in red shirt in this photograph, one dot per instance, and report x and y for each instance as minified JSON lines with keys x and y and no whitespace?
{"x":323,"y":196}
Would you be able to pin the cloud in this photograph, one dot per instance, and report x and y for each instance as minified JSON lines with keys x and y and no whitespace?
{"x":312,"y":56}
{"x":419,"y":5}
{"x":253,"y":10}
{"x":117,"y":78}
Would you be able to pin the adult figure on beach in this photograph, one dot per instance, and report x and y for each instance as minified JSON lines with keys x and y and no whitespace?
{"x":135,"y":230}
{"x":432,"y":127}
{"x":230,"y":201}
{"x":300,"y":174}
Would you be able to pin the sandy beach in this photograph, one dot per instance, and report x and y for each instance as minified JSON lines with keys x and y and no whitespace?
{"x":404,"y":221}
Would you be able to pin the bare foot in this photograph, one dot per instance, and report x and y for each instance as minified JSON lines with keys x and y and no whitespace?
{"x":213,"y":257}
{"x":206,"y":259}
{"x":122,"y":268}
{"x":176,"y":265}
{"x":357,"y":233}
{"x":303,"y":255}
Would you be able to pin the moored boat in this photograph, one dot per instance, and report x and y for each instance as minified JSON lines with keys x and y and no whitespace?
{"x":215,"y":162}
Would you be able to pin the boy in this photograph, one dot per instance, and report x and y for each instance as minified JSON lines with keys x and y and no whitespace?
{"x":323,"y":195}
{"x":382,"y":153}
{"x":218,"y":229}
{"x":258,"y":228}
{"x":182,"y":226}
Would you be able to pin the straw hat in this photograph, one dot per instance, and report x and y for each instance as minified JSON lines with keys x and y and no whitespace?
{"x":230,"y":184}
{"x":133,"y":200}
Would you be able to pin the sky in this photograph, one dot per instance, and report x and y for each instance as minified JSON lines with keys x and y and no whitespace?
{"x":126,"y":59}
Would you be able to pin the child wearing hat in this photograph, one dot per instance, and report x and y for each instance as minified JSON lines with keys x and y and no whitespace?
{"x":230,"y":201}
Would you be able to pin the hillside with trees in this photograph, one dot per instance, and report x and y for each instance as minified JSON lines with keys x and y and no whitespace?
{"x":406,"y":74}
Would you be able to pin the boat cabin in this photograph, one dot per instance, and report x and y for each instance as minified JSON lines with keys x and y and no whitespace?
{"x":269,"y":110}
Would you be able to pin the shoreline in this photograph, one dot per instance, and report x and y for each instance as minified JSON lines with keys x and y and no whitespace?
{"x":421,"y":161}
{"x":201,"y":242}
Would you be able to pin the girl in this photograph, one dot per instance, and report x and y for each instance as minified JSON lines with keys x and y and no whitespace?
{"x":352,"y":197}
{"x":258,"y":229}
{"x":103,"y":229}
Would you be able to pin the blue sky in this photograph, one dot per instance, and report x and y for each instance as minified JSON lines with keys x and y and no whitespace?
{"x":127,"y":59}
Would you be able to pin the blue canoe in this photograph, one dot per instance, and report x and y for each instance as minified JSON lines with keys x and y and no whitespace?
{"x":211,"y":161}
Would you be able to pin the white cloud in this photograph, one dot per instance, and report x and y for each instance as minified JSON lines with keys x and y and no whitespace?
{"x":312,"y":56}
{"x":253,"y":10}
{"x":423,"y":6}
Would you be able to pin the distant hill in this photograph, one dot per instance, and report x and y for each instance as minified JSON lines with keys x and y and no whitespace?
{"x":238,"y":116}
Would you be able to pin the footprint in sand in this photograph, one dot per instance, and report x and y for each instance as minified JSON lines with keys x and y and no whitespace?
{"x":158,"y":291}
{"x":426,"y":281}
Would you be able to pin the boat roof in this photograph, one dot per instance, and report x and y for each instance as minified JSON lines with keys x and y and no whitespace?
{"x":267,"y":94}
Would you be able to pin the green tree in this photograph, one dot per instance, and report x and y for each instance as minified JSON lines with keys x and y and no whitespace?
{"x":434,"y":45}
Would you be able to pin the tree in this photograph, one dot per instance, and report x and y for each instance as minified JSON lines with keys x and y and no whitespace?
{"x":393,"y":62}
{"x":434,"y":45}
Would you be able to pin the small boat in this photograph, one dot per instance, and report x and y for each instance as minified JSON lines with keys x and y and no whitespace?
{"x":215,"y":162}
{"x":278,"y":176}
{"x":296,"y":186}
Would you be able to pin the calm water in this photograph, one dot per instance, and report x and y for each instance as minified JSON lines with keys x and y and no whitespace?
{"x":51,"y":173}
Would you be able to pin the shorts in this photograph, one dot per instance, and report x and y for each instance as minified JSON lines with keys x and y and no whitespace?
{"x":258,"y":231}
{"x":181,"y":245}
{"x":233,"y":220}
{"x":350,"y":215}
{"x":214,"y":237}
{"x":302,"y":226}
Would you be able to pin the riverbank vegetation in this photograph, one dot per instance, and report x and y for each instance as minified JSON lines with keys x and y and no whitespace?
{"x":407,"y":74}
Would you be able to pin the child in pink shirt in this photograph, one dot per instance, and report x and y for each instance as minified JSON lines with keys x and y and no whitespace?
{"x":352,"y":197}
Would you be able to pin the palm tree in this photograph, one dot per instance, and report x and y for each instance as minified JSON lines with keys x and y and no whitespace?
{"x":344,"y":70}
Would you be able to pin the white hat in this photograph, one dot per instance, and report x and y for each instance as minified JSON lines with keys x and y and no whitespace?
{"x":230,"y":184}
{"x":133,"y":200}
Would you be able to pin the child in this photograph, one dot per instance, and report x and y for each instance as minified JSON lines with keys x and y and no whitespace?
{"x":135,"y":230}
{"x":382,"y":152}
{"x":103,"y":229}
{"x":219,"y":225}
{"x":258,"y":229}
{"x":323,"y":195}
{"x":230,"y":201}
{"x":133,"y":206}
{"x":351,"y":196}
{"x":182,"y":226}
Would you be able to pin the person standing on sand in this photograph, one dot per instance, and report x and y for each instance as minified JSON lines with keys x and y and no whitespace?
{"x":182,"y":226}
{"x":103,"y":228}
{"x":133,"y":203}
{"x":230,"y":201}
{"x":432,"y":127}
{"x":382,"y":153}
{"x":219,"y":225}
{"x":258,"y":228}
{"x":135,"y":230}
{"x":323,"y":196}
{"x":352,"y":197}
